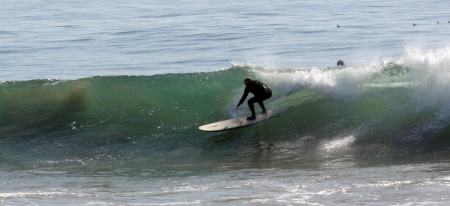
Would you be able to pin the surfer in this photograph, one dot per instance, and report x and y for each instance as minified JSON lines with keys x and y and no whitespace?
{"x":261,"y":92}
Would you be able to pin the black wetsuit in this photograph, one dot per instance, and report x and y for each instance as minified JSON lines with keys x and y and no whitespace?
{"x":261,"y":92}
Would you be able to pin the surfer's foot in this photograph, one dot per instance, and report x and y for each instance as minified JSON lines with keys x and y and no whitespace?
{"x":264,"y":112}
{"x":251,"y":118}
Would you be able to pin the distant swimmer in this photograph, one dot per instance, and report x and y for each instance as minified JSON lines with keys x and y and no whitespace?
{"x":414,"y":24}
{"x":261,"y":92}
{"x":338,"y":26}
{"x":340,"y":63}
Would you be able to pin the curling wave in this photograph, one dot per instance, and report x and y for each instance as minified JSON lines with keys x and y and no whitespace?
{"x":373,"y":109}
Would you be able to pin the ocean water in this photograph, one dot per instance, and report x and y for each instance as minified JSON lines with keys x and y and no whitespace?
{"x":100,"y":102}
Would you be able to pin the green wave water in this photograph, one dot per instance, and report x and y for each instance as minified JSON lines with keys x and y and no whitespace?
{"x":112,"y":121}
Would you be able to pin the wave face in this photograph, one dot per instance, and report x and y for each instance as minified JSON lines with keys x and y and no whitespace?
{"x":391,"y":108}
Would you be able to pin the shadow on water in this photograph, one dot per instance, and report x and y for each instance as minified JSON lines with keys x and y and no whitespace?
{"x":40,"y":112}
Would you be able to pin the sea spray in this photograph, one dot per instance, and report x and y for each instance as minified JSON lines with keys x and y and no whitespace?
{"x":430,"y":75}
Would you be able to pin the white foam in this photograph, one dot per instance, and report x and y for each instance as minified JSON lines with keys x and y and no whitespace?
{"x":344,"y":83}
{"x":428,"y":78}
{"x":338,"y":144}
{"x":28,"y":194}
{"x":430,"y":74}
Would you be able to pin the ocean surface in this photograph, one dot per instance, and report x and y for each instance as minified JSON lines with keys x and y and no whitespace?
{"x":100,"y":102}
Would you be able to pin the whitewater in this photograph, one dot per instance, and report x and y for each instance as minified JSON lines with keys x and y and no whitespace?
{"x":100,"y":103}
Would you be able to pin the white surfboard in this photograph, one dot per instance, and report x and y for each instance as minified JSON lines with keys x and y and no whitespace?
{"x":234,"y":123}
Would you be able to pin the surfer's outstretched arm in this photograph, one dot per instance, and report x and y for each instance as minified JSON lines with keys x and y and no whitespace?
{"x":246,"y":91}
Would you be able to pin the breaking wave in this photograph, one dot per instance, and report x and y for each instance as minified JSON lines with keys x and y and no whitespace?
{"x":376,"y":109}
